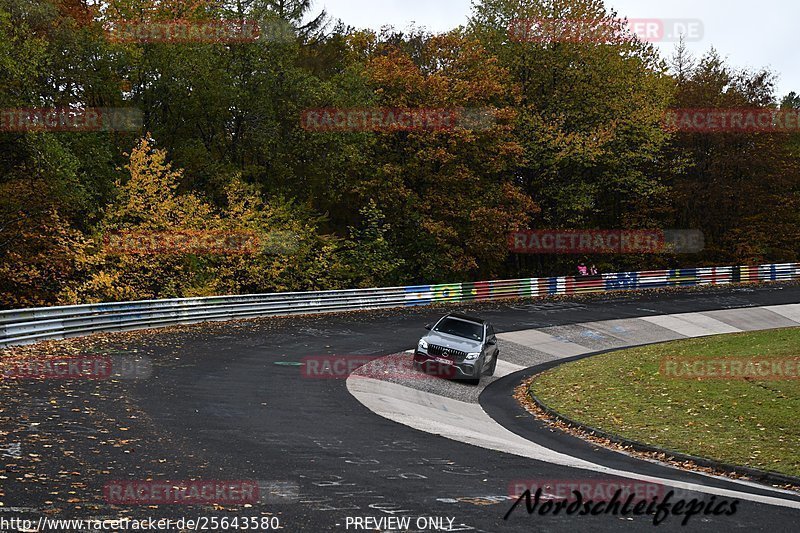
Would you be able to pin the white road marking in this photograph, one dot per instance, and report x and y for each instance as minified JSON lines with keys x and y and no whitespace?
{"x":692,"y":324}
{"x":792,"y":311}
{"x":505,"y":368}
{"x":543,"y":342}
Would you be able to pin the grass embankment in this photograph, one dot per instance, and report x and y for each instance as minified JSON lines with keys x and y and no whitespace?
{"x":748,"y":422}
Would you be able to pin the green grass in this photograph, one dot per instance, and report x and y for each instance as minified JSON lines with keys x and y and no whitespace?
{"x":751,"y":423}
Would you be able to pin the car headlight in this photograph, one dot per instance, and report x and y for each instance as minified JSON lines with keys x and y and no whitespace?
{"x":423,"y":344}
{"x":473,"y":356}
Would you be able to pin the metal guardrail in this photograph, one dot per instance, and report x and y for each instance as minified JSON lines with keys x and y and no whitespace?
{"x":24,"y":326}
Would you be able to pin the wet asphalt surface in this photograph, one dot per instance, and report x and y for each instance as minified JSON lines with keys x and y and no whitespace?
{"x":226,"y":402}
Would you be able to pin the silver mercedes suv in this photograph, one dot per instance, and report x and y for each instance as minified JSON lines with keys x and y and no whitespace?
{"x":458,"y":346}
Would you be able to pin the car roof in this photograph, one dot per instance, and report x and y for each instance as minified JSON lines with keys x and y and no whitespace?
{"x":469,"y":318}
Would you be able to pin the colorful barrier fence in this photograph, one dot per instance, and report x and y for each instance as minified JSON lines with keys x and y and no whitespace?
{"x":654,"y":279}
{"x":22,"y":326}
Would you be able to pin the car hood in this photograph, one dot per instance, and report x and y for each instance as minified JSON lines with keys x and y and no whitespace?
{"x":454,"y":342}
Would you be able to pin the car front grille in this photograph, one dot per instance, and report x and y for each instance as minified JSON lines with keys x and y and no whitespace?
{"x":441,"y":351}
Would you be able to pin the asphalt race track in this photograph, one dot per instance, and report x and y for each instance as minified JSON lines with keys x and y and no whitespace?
{"x":228,"y":401}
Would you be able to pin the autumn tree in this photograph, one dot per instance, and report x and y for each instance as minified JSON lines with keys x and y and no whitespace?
{"x":722,"y":182}
{"x":451,"y":195}
{"x":53,"y":184}
{"x":589,"y":112}
{"x":282,"y":246}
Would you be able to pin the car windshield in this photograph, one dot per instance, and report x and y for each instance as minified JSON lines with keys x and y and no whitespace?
{"x":460,"y":328}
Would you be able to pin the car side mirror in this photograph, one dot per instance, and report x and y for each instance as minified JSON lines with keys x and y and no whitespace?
{"x":491,"y":342}
{"x":429,"y":326}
